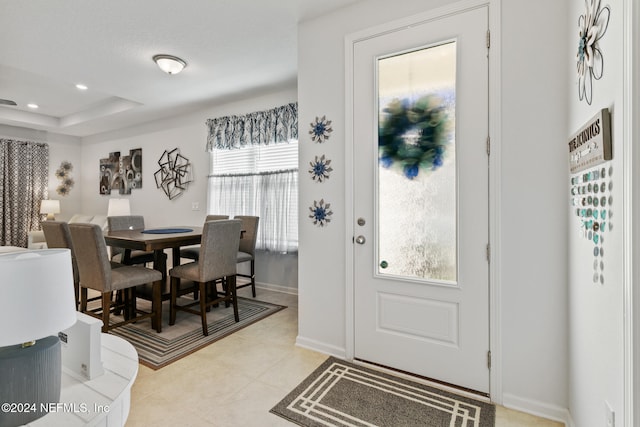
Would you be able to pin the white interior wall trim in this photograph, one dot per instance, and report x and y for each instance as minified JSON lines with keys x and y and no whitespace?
{"x":277,"y":288}
{"x":537,"y":408}
{"x":631,"y":201}
{"x":321,"y":347}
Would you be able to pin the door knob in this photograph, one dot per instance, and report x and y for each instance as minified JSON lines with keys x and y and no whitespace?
{"x":360,"y":240}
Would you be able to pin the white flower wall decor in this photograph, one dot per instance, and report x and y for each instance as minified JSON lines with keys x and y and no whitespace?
{"x":590,"y":65}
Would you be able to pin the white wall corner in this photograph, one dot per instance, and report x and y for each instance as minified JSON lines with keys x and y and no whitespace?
{"x":537,"y":408}
{"x":321,"y":347}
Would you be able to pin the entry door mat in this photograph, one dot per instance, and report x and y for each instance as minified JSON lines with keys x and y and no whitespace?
{"x":340,"y":393}
{"x":156,"y":350}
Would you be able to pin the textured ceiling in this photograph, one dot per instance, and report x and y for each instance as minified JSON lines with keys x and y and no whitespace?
{"x":232,"y":47}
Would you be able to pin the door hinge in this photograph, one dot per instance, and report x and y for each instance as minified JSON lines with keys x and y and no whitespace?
{"x":489,"y":359}
{"x":488,"y":39}
{"x":488,"y":145}
{"x":488,"y":252}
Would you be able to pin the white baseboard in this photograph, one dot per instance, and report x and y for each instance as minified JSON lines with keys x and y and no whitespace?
{"x":321,"y":347}
{"x":537,"y":408}
{"x":277,"y":288}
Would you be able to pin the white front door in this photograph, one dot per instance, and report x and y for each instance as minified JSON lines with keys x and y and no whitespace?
{"x":420,"y":127}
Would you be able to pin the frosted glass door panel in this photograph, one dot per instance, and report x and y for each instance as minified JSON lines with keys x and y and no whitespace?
{"x":416,"y":176}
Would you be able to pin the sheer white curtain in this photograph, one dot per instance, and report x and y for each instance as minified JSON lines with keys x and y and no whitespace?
{"x":273,"y":196}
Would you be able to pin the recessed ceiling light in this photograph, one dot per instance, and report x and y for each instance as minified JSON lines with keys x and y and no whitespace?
{"x":34,"y":106}
{"x":80,"y":86}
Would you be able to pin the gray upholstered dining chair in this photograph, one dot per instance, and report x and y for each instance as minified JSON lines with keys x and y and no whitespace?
{"x":247,"y":249}
{"x":97,"y":272}
{"x":57,"y":235}
{"x":127,"y":256}
{"x":193,"y":252}
{"x":217,"y":260}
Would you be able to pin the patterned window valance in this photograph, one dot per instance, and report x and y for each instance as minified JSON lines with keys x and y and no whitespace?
{"x":279,"y":124}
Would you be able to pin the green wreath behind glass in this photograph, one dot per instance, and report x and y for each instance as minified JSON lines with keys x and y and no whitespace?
{"x":413,"y":136}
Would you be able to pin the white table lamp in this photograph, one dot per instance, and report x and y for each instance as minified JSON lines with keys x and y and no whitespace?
{"x":36,"y":302}
{"x":118,"y":207}
{"x":50,"y":207}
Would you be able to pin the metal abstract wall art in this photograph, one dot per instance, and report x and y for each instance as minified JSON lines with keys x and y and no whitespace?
{"x":174,"y":174}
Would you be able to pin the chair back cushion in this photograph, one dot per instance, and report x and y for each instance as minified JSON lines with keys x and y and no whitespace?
{"x":91,"y":256}
{"x":250,"y":227}
{"x":216,"y":217}
{"x":57,"y":235}
{"x":125,"y":222}
{"x":218,"y":249}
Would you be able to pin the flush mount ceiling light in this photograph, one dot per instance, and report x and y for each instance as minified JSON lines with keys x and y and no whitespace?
{"x":169,"y":64}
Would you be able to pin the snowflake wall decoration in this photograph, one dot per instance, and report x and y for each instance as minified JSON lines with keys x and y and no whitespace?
{"x":320,"y":129}
{"x":590,"y":65}
{"x":320,"y":213}
{"x":320,"y":169}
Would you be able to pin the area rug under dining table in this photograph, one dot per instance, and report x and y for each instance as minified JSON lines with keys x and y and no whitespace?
{"x":340,"y":393}
{"x":157,"y":350}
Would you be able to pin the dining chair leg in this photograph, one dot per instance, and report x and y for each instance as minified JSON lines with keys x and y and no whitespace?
{"x":225,"y":290}
{"x":156,"y":306}
{"x":132,"y":301}
{"x":83,"y":299}
{"x":175,"y":282}
{"x":76,"y":289}
{"x":253,"y":278}
{"x":231,"y":285}
{"x":121,"y":304}
{"x":210,"y":296}
{"x":106,"y":307}
{"x":203,"y":308}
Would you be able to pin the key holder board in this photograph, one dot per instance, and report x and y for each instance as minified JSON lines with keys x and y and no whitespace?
{"x":591,"y":145}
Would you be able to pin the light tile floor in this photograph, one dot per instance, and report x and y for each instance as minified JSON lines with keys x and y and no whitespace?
{"x":237,"y":380}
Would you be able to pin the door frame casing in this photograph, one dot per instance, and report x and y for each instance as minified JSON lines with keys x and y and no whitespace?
{"x":494,"y":301}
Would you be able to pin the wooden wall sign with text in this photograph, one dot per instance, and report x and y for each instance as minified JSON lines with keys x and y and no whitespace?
{"x":591,"y":145}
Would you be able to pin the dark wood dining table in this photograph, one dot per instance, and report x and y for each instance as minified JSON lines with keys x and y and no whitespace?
{"x":156,"y":242}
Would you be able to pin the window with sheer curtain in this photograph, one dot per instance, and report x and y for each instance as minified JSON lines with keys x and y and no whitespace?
{"x":254,"y":171}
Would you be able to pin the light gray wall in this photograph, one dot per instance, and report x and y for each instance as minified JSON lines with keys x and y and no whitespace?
{"x":532,"y":270}
{"x":596,"y":310}
{"x":533,"y":198}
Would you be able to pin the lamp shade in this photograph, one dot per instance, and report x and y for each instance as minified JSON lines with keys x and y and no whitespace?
{"x":36,"y":295}
{"x":118,"y":207}
{"x":50,"y":207}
